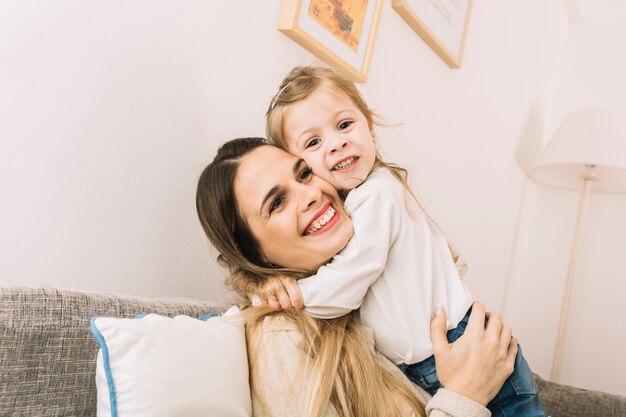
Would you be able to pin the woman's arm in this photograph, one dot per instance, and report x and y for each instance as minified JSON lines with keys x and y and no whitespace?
{"x":471,"y":376}
{"x":478,"y":363}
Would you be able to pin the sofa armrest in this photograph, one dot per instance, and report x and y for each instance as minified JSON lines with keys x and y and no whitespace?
{"x":565,"y":401}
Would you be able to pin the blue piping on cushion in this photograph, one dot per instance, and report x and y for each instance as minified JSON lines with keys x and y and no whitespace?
{"x":107,"y":366}
{"x":205,"y":317}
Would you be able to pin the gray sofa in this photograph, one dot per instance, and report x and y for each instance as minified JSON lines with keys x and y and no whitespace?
{"x":48,"y":356}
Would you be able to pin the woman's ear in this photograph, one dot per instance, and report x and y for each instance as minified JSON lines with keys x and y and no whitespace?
{"x":267,"y":263}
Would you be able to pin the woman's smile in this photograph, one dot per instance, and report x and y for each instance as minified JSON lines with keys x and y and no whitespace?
{"x":327,"y":218}
{"x":297,"y":218}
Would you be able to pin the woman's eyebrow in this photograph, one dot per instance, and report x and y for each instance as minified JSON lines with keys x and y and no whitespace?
{"x":274,"y":189}
{"x":297,"y":165}
{"x":269,"y":194}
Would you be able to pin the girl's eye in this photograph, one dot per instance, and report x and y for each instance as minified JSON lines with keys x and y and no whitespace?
{"x":312,"y":143}
{"x":276,"y":202}
{"x":305,"y":173}
{"x":344,"y":125}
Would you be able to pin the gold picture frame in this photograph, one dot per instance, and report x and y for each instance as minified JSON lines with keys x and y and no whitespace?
{"x":442,"y":24}
{"x":339,"y":32}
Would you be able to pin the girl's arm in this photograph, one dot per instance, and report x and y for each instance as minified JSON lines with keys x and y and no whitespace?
{"x":340,"y":286}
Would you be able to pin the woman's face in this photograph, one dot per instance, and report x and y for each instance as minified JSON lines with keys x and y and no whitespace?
{"x":297,"y":218}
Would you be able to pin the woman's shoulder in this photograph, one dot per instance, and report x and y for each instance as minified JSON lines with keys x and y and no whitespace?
{"x":277,"y":365}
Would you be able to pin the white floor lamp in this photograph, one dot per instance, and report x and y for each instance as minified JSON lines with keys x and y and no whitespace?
{"x":587,"y":153}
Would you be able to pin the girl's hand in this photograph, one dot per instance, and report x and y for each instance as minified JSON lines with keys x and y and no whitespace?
{"x":476,"y":364}
{"x":282,"y":293}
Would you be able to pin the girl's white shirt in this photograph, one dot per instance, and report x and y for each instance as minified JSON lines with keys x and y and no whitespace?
{"x":397,"y":268}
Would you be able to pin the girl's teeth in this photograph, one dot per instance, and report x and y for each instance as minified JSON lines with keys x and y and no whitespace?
{"x":345,"y":164}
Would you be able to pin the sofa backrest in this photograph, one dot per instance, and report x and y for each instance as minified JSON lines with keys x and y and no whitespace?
{"x":47,"y":353}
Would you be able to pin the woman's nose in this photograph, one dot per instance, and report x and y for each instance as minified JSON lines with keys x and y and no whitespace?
{"x":309,"y":196}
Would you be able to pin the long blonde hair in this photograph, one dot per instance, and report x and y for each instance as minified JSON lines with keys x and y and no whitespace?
{"x":299,"y":84}
{"x":343,"y":370}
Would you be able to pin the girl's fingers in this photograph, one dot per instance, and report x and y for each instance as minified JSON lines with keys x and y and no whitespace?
{"x":283,"y":299}
{"x":273,"y":302}
{"x":295,"y":295}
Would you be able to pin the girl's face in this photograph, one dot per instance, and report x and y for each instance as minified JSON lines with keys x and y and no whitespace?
{"x":297,"y":218}
{"x":332,"y":136}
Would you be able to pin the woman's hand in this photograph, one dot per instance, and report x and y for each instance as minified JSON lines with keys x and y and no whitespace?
{"x":476,"y":364}
{"x":281,"y":292}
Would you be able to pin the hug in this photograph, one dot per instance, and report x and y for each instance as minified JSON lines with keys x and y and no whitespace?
{"x":357,"y":297}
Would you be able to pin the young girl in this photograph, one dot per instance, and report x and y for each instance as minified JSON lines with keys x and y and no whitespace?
{"x":398,"y":267}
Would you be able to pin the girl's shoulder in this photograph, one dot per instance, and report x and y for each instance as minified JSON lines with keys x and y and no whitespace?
{"x":381,"y":179}
{"x":380,"y":186}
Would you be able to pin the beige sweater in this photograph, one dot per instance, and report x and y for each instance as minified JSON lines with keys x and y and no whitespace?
{"x":277,"y":371}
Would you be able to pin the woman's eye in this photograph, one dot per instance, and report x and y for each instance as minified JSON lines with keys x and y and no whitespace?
{"x":276,"y":203}
{"x":344,"y":125}
{"x":305,"y":173}
{"x":312,"y":143}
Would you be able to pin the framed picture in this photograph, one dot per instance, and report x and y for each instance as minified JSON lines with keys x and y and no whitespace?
{"x":441,"y":23}
{"x":339,"y":32}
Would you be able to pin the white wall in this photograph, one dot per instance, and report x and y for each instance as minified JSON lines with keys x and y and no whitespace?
{"x":591,"y":75}
{"x":109,"y":110}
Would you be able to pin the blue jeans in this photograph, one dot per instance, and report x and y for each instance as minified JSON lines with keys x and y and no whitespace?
{"x":517,"y":397}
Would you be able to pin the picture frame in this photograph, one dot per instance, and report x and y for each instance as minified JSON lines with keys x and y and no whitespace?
{"x":341,"y":33}
{"x":442,"y":24}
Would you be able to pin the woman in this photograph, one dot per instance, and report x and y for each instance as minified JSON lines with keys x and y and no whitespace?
{"x":256,"y":204}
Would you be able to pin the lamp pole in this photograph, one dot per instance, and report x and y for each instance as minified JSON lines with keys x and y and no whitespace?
{"x":588,"y":177}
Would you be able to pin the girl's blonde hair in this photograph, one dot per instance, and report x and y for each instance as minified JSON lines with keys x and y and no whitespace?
{"x":344,"y":371}
{"x":299,"y":84}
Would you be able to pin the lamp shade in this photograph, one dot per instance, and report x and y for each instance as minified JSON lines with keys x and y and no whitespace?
{"x":592,"y":136}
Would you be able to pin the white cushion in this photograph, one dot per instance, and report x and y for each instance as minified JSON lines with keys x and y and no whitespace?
{"x":159,"y":366}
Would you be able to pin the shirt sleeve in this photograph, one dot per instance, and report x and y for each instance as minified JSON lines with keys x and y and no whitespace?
{"x":450,"y":404}
{"x":340,"y":286}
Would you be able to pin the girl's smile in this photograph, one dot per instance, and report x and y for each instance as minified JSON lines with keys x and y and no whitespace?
{"x":347,"y":165}
{"x":332,"y":135}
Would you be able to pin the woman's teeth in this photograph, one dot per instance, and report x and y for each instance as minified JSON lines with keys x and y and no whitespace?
{"x":321,"y":221}
{"x":345,"y":164}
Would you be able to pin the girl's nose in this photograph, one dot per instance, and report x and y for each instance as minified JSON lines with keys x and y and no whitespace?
{"x":337,"y":144}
